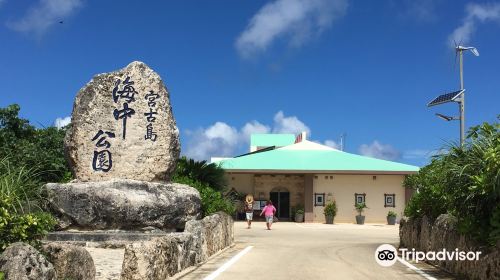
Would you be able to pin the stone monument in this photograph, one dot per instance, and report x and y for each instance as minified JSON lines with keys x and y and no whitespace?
{"x":122,"y":147}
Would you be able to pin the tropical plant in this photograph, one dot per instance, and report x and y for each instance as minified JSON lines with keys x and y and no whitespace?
{"x":21,"y":218}
{"x":463,"y":182}
{"x":209,"y":174}
{"x":26,"y":145}
{"x":330,"y":209}
{"x":211,"y":200}
{"x":360,"y":207}
{"x":392,"y":214}
{"x":299,"y":211}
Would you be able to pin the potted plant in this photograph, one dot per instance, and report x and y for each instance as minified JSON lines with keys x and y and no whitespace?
{"x":299,"y":215}
{"x":330,"y":212}
{"x":391,"y":218}
{"x":360,"y":207}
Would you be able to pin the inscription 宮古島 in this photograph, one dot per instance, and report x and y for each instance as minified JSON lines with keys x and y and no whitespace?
{"x":151,"y":97}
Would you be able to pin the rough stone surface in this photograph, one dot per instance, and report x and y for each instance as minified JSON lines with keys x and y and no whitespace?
{"x":123,"y":204}
{"x":70,"y":261}
{"x":166,"y":256}
{"x":129,"y":155}
{"x":20,"y":261}
{"x":442,"y":234}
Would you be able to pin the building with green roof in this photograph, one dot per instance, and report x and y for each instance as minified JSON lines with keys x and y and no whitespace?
{"x":296,"y":173}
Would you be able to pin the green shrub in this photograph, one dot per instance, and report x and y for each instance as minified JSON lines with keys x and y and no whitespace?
{"x":211,"y":200}
{"x":21,"y":218}
{"x":360,"y":207}
{"x":29,"y":227}
{"x":392,"y":214}
{"x":210,"y":174}
{"x":463,"y":182}
{"x":330,"y":209}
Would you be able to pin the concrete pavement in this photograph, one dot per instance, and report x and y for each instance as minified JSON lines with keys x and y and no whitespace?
{"x":310,"y":251}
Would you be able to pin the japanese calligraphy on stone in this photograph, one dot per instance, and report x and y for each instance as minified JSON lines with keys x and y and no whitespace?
{"x":151,"y":97}
{"x":102,"y":160}
{"x":127,"y":95}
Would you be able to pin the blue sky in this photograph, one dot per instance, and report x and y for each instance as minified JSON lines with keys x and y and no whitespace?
{"x":363,"y":68}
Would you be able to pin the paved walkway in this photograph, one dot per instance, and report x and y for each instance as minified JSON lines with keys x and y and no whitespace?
{"x":310,"y":251}
{"x":108,"y":262}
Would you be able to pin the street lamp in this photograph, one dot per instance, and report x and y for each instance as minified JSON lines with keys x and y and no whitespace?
{"x":456,"y":96}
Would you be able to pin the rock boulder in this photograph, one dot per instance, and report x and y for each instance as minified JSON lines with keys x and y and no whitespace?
{"x":122,"y":126}
{"x":123,"y":204}
{"x":70,"y":261}
{"x":21,"y":261}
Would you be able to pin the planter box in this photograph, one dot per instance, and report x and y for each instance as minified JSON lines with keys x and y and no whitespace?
{"x":391,"y":220}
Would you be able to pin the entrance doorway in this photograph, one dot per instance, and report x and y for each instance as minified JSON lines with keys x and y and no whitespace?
{"x":281,"y":200}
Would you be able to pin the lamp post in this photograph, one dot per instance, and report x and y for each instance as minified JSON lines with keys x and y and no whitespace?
{"x":457,"y":96}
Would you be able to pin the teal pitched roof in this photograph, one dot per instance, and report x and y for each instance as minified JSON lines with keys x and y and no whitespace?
{"x":267,"y":140}
{"x":314,"y":161}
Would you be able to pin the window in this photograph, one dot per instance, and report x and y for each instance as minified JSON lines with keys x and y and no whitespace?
{"x":389,"y":200}
{"x":319,"y":199}
{"x":359,"y":198}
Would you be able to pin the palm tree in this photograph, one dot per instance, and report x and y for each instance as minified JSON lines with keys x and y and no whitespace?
{"x":209,"y":174}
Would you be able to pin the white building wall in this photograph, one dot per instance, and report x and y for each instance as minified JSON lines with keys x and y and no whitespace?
{"x":343,"y":187}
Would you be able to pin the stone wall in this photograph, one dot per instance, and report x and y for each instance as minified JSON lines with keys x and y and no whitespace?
{"x":292,"y":183}
{"x":442,"y":234}
{"x":166,"y":256}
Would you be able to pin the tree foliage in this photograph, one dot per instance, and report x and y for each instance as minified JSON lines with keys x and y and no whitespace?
{"x":208,"y":174}
{"x":25,"y":145}
{"x":464,"y":182}
{"x":211,"y":200}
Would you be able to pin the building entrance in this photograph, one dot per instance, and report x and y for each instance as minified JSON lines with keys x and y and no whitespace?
{"x":281,"y":200}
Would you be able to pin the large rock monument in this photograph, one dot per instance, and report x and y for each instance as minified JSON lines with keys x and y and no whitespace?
{"x":122,"y":147}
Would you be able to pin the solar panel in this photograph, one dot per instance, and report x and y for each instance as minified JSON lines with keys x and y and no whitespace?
{"x":447,"y":97}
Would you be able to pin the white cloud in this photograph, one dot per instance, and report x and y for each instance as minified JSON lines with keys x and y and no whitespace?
{"x":296,"y":19}
{"x":421,"y":10}
{"x":379,"y":150}
{"x":474,"y":13}
{"x":292,"y":124}
{"x":420,"y":153}
{"x":253,"y":127}
{"x":223,"y":140}
{"x":62,"y":122}
{"x":332,"y":144}
{"x":40,"y":17}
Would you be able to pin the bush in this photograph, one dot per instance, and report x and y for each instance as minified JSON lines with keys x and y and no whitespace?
{"x":392,"y":214}
{"x":330,"y":209}
{"x":21,"y":218}
{"x":208,"y":174}
{"x":211,"y":200}
{"x":360,"y":207}
{"x":463,"y":182}
{"x":29,"y":227}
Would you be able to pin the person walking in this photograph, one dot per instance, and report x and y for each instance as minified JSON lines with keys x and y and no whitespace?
{"x":249,"y":209}
{"x":269,"y":211}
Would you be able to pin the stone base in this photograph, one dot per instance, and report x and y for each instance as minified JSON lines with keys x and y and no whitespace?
{"x":161,"y":258}
{"x":123,"y":204}
{"x":101,"y":239}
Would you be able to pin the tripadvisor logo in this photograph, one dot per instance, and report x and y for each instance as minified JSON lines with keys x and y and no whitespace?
{"x":387,"y":255}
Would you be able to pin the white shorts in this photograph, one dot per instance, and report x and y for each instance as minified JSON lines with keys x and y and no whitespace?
{"x":269,"y":219}
{"x":249,"y":216}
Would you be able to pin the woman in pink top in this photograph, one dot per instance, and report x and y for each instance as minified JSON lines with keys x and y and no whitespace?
{"x":269,"y":211}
